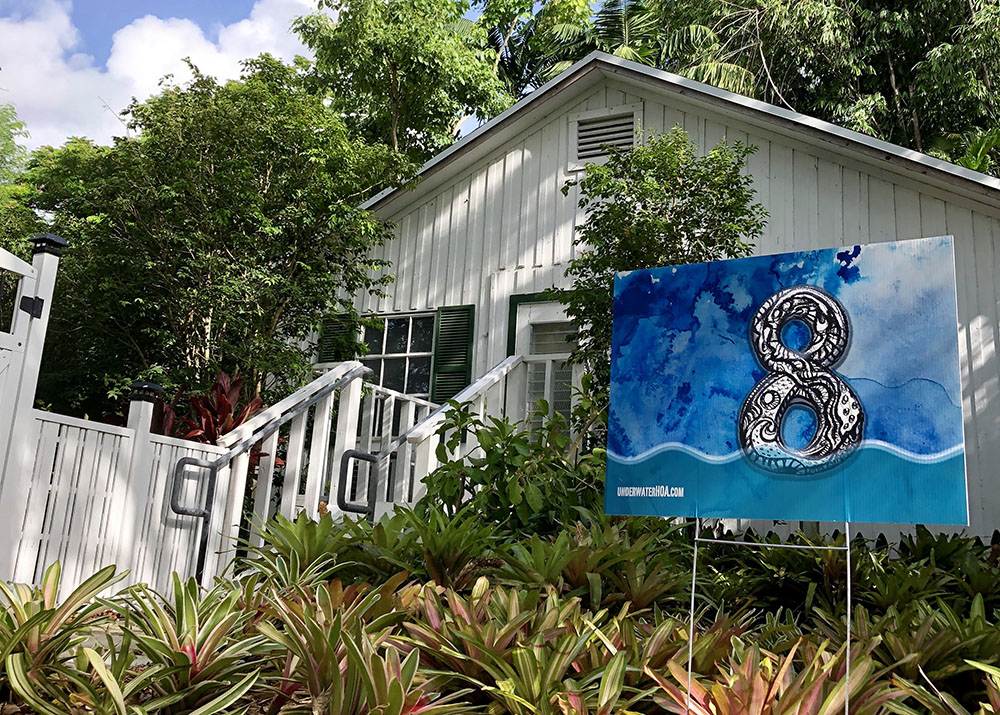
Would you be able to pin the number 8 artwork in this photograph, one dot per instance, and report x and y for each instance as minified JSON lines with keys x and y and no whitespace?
{"x":819,"y":385}
{"x":801,"y":377}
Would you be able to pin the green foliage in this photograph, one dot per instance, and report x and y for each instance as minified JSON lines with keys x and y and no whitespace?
{"x":757,"y":681}
{"x":453,"y":549}
{"x":39,"y":634}
{"x":17,"y":220}
{"x":976,"y":150}
{"x":320,"y":629}
{"x":405,"y":73}
{"x":12,"y":153}
{"x":915,"y":73}
{"x":454,"y":632}
{"x":201,"y":641}
{"x":624,"y":28}
{"x":919,"y":73}
{"x":303,"y":552}
{"x":575,"y":622}
{"x":603,"y":564}
{"x":531,"y":477}
{"x":526,"y":38}
{"x":218,"y":236}
{"x":658,"y":204}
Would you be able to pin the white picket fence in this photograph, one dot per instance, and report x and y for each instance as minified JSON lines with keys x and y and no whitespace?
{"x":81,"y":492}
{"x":90,"y":494}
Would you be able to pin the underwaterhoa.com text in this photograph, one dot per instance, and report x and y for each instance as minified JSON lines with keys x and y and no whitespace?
{"x":660,"y":490}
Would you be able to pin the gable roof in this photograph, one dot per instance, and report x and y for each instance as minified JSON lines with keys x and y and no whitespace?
{"x":598,"y":66}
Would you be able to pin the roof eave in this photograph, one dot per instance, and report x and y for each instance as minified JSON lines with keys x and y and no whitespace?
{"x":597,"y":65}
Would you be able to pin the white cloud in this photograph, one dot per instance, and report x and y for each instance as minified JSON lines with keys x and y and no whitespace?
{"x":60,"y":92}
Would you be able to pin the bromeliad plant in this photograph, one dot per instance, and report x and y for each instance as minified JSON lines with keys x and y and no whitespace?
{"x":119,"y":687}
{"x":454,"y":632}
{"x":315,"y":630}
{"x":39,"y":634}
{"x":756,"y":681}
{"x":209,"y":656}
{"x":303,"y":552}
{"x":560,"y":627}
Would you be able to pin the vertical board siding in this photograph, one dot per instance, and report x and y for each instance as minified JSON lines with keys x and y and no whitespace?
{"x":504,"y":227}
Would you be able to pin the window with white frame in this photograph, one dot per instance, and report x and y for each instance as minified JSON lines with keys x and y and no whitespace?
{"x":400,"y":351}
{"x":550,"y":378}
{"x":539,"y":331}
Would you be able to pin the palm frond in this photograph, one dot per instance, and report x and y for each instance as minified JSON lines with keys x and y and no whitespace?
{"x":724,"y":75}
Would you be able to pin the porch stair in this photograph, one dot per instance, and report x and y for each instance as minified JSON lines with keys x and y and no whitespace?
{"x":352,"y":448}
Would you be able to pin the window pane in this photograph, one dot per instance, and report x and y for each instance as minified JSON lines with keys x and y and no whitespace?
{"x":397,"y":335}
{"x":548,"y":338}
{"x":375,"y":365}
{"x":536,"y":384}
{"x":394,"y":374}
{"x":422,"y":340}
{"x":418,"y":379}
{"x":373,"y":339}
{"x":562,"y":390}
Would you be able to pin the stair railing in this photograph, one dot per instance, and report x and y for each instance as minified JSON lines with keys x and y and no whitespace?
{"x":224,"y":489}
{"x":376,"y":456}
{"x":414,"y":452}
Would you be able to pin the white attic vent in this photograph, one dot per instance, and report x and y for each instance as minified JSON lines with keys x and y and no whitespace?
{"x":592,"y":133}
{"x":595,"y":135}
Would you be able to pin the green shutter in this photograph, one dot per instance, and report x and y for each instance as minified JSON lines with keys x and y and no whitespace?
{"x":337,"y":340}
{"x":452,"y":369}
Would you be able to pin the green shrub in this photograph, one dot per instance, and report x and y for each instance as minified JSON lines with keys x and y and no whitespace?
{"x":529,"y":478}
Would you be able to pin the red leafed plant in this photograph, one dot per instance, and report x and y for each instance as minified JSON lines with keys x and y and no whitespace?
{"x":217,"y":413}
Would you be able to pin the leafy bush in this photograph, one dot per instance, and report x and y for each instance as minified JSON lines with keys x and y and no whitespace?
{"x":658,"y":204}
{"x":526,"y":478}
{"x":216,"y":413}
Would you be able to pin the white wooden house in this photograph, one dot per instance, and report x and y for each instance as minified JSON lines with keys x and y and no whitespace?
{"x":487,"y":228}
{"x":484,"y":232}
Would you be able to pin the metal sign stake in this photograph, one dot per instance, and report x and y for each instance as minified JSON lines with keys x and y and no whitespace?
{"x":801,"y":547}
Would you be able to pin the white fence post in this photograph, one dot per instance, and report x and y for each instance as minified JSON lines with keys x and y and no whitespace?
{"x":15,"y":472}
{"x":232,"y":517}
{"x":319,"y":449}
{"x":426,"y":462}
{"x":262,"y":494}
{"x":132,"y":548}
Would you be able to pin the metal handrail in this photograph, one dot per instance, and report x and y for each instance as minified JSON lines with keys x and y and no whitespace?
{"x":342,"y":503}
{"x":261,"y":431}
{"x":416,"y":434}
{"x":430,"y":424}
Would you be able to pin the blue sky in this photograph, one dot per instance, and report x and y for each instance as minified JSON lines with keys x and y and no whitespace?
{"x":97,"y":20}
{"x":70,"y":66}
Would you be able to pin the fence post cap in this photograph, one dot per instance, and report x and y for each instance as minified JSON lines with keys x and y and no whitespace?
{"x":48,"y":243}
{"x":145,"y":391}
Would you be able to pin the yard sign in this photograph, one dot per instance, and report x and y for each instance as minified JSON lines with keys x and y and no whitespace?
{"x":816,"y":385}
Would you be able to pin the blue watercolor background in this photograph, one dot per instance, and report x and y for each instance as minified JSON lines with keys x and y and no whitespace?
{"x":682,"y":366}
